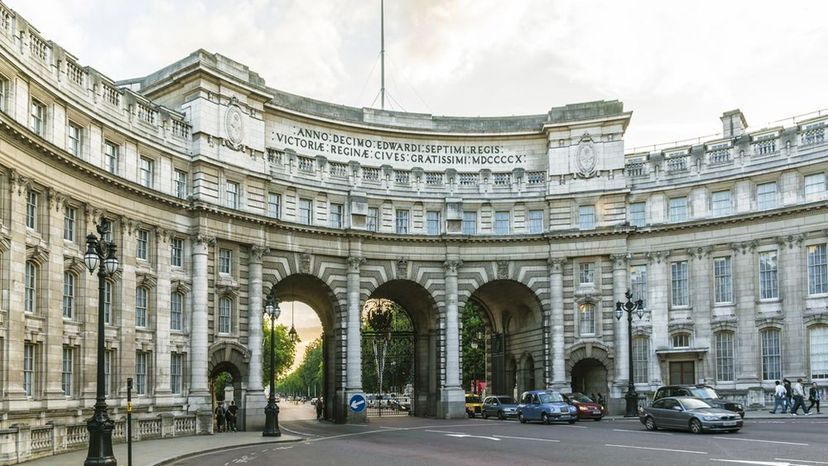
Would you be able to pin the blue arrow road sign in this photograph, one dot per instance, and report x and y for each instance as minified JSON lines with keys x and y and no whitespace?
{"x":357,"y":403}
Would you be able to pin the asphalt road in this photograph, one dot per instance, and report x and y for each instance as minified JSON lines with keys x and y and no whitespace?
{"x":414,"y":441}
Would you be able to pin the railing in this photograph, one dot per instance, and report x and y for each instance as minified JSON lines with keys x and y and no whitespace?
{"x":719,"y":156}
{"x":149,"y":428}
{"x":636,"y":169}
{"x":305,"y":164}
{"x":370,"y":174}
{"x":120,"y":429}
{"x":273,"y":156}
{"x":536,"y":177}
{"x":502,"y":179}
{"x":76,"y":435}
{"x":339,"y":170}
{"x":813,"y":136}
{"x":41,"y":438}
{"x":402,"y":177}
{"x":111,"y":95}
{"x":180,"y":129}
{"x":5,"y":19}
{"x":38,"y":47}
{"x":75,"y":73}
{"x":146,"y":114}
{"x":468,"y":179}
{"x":184,"y":425}
{"x":677,"y":164}
{"x":434,"y":179}
{"x":765,"y":147}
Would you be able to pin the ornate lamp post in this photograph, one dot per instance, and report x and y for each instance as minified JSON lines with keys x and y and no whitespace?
{"x":100,"y":254}
{"x":629,"y":307}
{"x":271,"y":428}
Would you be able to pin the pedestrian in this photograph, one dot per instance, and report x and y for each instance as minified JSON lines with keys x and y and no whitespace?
{"x":232,"y":413}
{"x":320,"y":409}
{"x":779,"y":395}
{"x":799,"y":398}
{"x":788,"y":395}
{"x":221,"y":417}
{"x":813,"y":394}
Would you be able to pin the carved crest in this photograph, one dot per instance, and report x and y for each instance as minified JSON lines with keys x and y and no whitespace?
{"x":402,"y":267}
{"x":586,"y":159}
{"x":234,"y":125}
{"x":502,"y":269}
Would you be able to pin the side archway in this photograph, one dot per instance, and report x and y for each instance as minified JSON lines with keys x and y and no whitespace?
{"x":227,"y":356}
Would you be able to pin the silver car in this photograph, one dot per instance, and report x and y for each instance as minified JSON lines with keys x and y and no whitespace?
{"x":688,"y":413}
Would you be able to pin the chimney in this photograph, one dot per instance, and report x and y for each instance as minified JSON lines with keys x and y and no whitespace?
{"x":733,"y":124}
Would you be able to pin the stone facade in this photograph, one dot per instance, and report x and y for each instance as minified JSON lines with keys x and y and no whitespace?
{"x":220,"y":189}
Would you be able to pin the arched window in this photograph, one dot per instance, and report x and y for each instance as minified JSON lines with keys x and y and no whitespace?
{"x":586,"y":324}
{"x":819,"y":352}
{"x":225,"y":313}
{"x":771,"y":355}
{"x":176,"y":311}
{"x":68,"y":295}
{"x":641,"y":359}
{"x":724,"y":357}
{"x":30,"y":295}
{"x":141,"y":299}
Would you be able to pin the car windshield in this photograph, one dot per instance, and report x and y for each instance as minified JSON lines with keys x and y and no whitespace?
{"x":580,"y":397}
{"x":691,"y":403}
{"x":704,"y":392}
{"x":472,"y":399}
{"x":551,"y":397}
{"x":506,"y":400}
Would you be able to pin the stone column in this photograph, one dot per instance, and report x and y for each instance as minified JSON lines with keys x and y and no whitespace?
{"x":556,"y":265}
{"x":353,"y":342}
{"x":749,"y":369}
{"x":452,"y":402}
{"x":199,"y":391}
{"x":255,"y":401}
{"x":620,"y":284}
{"x":793,"y":287}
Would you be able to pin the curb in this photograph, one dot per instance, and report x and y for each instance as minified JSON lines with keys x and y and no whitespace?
{"x":172,"y":459}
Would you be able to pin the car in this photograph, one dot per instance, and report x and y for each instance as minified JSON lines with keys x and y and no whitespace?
{"x":404,"y":403}
{"x":704,"y":392}
{"x":587,"y":409}
{"x":500,"y":406}
{"x":473,"y":404}
{"x":688,"y":413}
{"x":546,"y":406}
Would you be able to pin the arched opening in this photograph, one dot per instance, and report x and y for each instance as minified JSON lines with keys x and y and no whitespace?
{"x":226,"y":363}
{"x":589,"y":376}
{"x":387,"y":358}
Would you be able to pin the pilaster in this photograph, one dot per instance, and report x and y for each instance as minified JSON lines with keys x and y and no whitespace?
{"x":556,"y":265}
{"x":199,"y":391}
{"x":452,"y":397}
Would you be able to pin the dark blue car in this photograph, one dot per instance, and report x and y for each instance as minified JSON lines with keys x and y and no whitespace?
{"x":547,"y":406}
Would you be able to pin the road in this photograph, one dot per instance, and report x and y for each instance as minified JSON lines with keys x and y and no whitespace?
{"x":414,"y":441}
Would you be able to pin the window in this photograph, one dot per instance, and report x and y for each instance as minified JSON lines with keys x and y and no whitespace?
{"x":535,"y":219}
{"x":108,"y":358}
{"x":225,"y":261}
{"x":305,"y":211}
{"x":176,"y":310}
{"x":724,"y":357}
{"x":817,"y":270}
{"x":68,"y":295}
{"x":433,"y":222}
{"x":766,"y":196}
{"x":768,"y":282}
{"x":771,"y":355}
{"x":680,"y":286}
{"x":586,"y":217}
{"x":336,"y":213}
{"x":111,"y":157}
{"x":681,"y":340}
{"x":225,"y":310}
{"x":180,"y":184}
{"x":722,"y":277}
{"x":232,"y":195}
{"x":142,"y":247}
{"x":28,"y":369}
{"x":819,"y":352}
{"x":586,"y":272}
{"x":175,"y":373}
{"x":815,"y":187}
{"x":274,"y":205}
{"x":638,"y":283}
{"x":586,"y":321}
{"x":469,"y":226}
{"x":32,"y":199}
{"x":177,"y":252}
{"x":641,"y":359}
{"x":108,"y":302}
{"x":141,"y":372}
{"x":141,"y":300}
{"x":678,"y":209}
{"x":502,"y":223}
{"x":372,"y":221}
{"x":74,"y":139}
{"x":38,"y":117}
{"x":720,"y":203}
{"x":402,"y":221}
{"x":66,"y":375}
{"x":69,"y":216}
{"x":30,"y":294}
{"x":4,"y":94}
{"x":147,"y":172}
{"x":638,"y":214}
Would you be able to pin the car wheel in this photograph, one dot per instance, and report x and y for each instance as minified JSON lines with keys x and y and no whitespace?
{"x":695,"y":426}
{"x":545,"y":419}
{"x":500,"y":415}
{"x":742,"y":415}
{"x":598,"y":419}
{"x":650,"y":424}
{"x":471,"y":414}
{"x":521,"y":418}
{"x":572,"y":421}
{"x":485,"y":415}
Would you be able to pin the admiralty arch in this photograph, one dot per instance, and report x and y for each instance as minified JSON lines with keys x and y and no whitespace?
{"x":222,"y":190}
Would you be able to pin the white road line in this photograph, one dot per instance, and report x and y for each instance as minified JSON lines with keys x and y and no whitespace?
{"x":642,"y":432}
{"x":761,"y":463}
{"x":578,"y":427}
{"x":656,"y":449}
{"x":762,"y":441}
{"x":443,"y":432}
{"x":299,"y":433}
{"x":527,"y":438}
{"x":801,"y":461}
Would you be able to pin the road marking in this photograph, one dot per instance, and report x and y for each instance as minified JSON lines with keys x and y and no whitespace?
{"x":763,"y":463}
{"x":762,"y":441}
{"x":801,"y":461}
{"x":472,"y":436}
{"x":578,"y":427}
{"x":442,"y":431}
{"x":642,"y":432}
{"x":656,"y":449}
{"x":299,"y":433}
{"x":529,"y":438}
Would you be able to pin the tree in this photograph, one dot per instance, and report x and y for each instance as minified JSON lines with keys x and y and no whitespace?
{"x":285,"y":352}
{"x":308,"y":377}
{"x":474,"y":344}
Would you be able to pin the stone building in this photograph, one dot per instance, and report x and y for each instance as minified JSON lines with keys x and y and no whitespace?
{"x":222,"y":190}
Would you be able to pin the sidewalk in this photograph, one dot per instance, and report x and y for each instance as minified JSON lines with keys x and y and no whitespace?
{"x":155,"y":452}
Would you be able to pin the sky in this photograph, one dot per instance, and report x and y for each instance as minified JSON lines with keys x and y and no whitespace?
{"x":676,"y":65}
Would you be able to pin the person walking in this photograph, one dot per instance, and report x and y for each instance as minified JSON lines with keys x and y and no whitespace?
{"x":788,"y":395}
{"x":813,"y":394}
{"x":779,"y":395}
{"x":799,"y":398}
{"x":320,"y":409}
{"x":221,"y":417}
{"x":232,"y":413}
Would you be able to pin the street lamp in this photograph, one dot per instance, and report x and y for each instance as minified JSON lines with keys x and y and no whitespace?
{"x":629,"y":307}
{"x":100,"y":254}
{"x":272,"y":409}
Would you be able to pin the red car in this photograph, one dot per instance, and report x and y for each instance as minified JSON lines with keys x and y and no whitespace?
{"x":587,"y":409}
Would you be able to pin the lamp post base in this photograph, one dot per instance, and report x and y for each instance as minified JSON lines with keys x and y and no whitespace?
{"x":100,"y":428}
{"x":632,"y":403}
{"x":271,"y":420}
